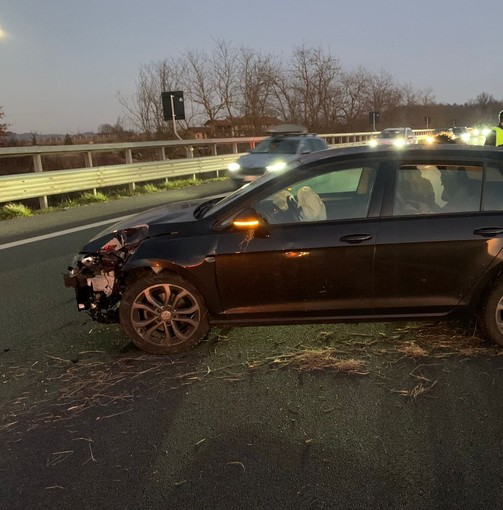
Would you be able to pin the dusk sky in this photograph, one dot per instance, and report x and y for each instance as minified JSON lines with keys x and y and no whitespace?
{"x":63,"y":62}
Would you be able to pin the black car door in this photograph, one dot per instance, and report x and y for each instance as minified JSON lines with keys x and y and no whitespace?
{"x":316,"y":268}
{"x":433,"y":242}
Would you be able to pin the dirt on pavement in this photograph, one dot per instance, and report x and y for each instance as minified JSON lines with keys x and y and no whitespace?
{"x":389,"y":415}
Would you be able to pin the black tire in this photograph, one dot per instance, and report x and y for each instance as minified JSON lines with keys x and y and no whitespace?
{"x":163,"y":314}
{"x":491,"y":314}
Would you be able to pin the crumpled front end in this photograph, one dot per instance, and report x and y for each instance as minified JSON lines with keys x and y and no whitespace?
{"x":97,"y":276}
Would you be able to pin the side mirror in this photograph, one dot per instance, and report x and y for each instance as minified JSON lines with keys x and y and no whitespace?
{"x":251,"y":220}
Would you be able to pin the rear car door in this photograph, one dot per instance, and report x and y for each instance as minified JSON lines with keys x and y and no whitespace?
{"x":437,"y":236}
{"x":316,"y":268}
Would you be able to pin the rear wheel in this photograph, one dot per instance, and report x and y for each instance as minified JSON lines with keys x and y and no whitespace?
{"x":491,"y":314}
{"x":163,"y":314}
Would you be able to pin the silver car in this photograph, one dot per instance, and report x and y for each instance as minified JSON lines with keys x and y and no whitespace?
{"x":397,"y":137}
{"x":286,"y":143}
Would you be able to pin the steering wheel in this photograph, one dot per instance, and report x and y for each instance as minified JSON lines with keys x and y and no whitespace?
{"x":293,"y":208}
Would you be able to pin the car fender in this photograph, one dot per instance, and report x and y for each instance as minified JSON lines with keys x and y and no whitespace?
{"x":489,"y":277}
{"x":191,"y":258}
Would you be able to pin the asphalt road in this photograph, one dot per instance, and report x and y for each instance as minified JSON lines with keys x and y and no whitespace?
{"x":344,"y":417}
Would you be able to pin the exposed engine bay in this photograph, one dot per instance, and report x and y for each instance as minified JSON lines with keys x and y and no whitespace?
{"x":97,"y":277}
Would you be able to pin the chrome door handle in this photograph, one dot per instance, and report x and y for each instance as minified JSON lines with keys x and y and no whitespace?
{"x":355,"y":238}
{"x":488,"y":231}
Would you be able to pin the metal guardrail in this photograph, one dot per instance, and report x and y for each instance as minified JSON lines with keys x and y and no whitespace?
{"x":24,"y":186}
{"x":40,"y":184}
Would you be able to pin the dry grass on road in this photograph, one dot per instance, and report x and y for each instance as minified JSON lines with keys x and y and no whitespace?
{"x":63,"y":389}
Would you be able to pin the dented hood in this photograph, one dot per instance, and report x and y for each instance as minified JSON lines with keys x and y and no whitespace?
{"x":165,"y":219}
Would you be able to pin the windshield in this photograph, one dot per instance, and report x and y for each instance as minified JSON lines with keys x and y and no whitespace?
{"x":236,"y":195}
{"x":391,"y":133}
{"x":277,"y":146}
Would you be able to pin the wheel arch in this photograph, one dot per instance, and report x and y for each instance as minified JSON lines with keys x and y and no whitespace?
{"x":491,"y":279}
{"x":198,"y":276}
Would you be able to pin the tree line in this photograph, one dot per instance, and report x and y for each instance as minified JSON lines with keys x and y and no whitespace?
{"x":309,"y":87}
{"x":246,"y":87}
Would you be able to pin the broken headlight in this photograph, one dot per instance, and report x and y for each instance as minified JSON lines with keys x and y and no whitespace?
{"x":94,"y":275}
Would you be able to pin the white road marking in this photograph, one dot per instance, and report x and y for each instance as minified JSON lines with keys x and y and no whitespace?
{"x":61,"y":233}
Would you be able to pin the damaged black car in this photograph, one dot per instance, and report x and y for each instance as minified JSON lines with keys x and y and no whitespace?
{"x":347,"y":235}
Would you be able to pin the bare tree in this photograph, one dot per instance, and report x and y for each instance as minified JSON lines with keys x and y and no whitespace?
{"x":287,"y":103}
{"x":383,"y":95}
{"x":353,"y":103}
{"x":245,"y":87}
{"x":255,"y":89}
{"x":315,"y":82}
{"x":116,"y":131}
{"x":410,"y":95}
{"x":3,"y":127}
{"x":426,"y":97}
{"x":202,"y":86}
{"x":144,"y":109}
{"x":225,"y":63}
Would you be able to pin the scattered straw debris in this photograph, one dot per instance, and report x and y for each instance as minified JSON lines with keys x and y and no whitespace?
{"x":322,"y":359}
{"x":412,"y":350}
{"x":236,"y":463}
{"x":64,"y":388}
{"x":418,"y":390}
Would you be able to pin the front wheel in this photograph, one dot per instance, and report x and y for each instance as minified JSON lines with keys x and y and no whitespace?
{"x":491,"y":314}
{"x":163,"y":314}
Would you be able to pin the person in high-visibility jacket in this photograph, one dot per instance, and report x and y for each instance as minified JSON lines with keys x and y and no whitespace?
{"x":495,"y":137}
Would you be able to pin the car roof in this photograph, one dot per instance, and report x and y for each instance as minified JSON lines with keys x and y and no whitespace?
{"x":292,"y":136}
{"x":447,"y":150}
{"x":287,"y":129}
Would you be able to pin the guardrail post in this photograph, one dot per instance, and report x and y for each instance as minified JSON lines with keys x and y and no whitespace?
{"x":214,"y":150}
{"x":163,"y":157}
{"x":37,"y":165}
{"x":190,"y":151}
{"x":234,"y":148}
{"x":129,"y":161}
{"x":88,"y":161}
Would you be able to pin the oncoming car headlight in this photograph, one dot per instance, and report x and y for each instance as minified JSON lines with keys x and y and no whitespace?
{"x":234,"y":167}
{"x":373,"y":143}
{"x":399,"y":142}
{"x":465,"y":137}
{"x":276,"y":167}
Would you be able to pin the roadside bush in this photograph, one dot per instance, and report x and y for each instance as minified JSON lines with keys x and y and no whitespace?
{"x":91,"y":198}
{"x":148,"y":188}
{"x":14,"y":210}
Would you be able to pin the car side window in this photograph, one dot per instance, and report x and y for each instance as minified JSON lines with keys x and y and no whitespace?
{"x":307,"y":146}
{"x":317,"y":144}
{"x":437,"y":189}
{"x":493,"y":189}
{"x":336,"y":195}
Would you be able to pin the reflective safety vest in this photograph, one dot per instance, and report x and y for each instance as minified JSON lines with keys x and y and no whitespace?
{"x":499,"y":136}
